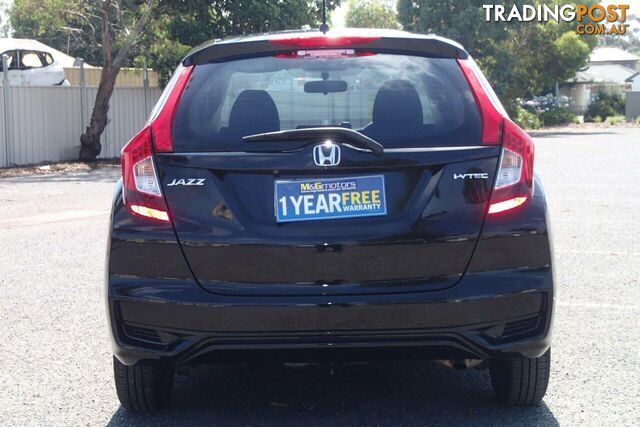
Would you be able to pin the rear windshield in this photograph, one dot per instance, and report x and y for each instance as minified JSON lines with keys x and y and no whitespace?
{"x":398,"y":100}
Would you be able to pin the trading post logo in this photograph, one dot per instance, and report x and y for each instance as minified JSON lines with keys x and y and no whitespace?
{"x":592,"y":19}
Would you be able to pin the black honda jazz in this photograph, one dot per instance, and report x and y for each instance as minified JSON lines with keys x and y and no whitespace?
{"x":353,"y":195}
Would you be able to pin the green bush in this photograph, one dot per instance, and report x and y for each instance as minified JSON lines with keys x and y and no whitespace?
{"x":615,"y":120}
{"x":637,"y":120}
{"x":606,"y":105}
{"x":557,"y":116}
{"x":525,"y":119}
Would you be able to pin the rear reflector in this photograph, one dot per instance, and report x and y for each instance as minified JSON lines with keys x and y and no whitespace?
{"x":323,"y":41}
{"x":150,"y":212}
{"x":506,"y":205}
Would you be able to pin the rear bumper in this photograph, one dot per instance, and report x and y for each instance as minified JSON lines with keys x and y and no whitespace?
{"x":486,"y":315}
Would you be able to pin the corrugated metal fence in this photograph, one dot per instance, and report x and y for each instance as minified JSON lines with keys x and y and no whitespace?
{"x":46,"y":122}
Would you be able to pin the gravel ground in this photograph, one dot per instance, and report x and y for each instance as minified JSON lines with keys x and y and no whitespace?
{"x":55,"y":364}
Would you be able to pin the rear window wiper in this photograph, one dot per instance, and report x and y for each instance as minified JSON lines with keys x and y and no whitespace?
{"x":336,"y":134}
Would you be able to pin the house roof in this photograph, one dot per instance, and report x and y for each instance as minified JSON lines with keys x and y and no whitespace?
{"x":632,"y":78}
{"x":604,"y":73}
{"x":60,"y":58}
{"x":607,"y":54}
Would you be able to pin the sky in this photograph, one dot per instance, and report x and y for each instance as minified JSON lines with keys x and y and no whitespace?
{"x":4,"y":6}
{"x":338,"y":16}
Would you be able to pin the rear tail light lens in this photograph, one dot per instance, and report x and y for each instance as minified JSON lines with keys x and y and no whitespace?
{"x":142,"y":193}
{"x":144,"y":175}
{"x":162,"y":116}
{"x":514,"y":182}
{"x":141,"y":187}
{"x":492,"y":116}
{"x":510,"y":169}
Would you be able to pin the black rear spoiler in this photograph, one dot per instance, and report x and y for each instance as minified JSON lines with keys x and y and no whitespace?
{"x":220,"y":51}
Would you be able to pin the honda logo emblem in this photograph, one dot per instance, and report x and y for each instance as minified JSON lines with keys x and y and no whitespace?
{"x":327,"y":154}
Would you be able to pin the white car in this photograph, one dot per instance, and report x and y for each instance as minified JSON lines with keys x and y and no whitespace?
{"x":30,"y":66}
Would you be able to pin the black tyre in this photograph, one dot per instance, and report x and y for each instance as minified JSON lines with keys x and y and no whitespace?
{"x":143,"y":387}
{"x":520,"y":381}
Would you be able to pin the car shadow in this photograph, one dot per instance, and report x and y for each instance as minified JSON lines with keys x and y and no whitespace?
{"x":382,"y":393}
{"x":105,"y":175}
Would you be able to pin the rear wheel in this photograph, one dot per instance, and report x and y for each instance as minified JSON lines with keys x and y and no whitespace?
{"x":520,"y":381}
{"x":143,"y":387}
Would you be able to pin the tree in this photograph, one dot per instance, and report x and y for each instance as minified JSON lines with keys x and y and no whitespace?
{"x":629,"y":41}
{"x":177,"y":26}
{"x":117,"y":38}
{"x":104,"y":31}
{"x":521,"y":59}
{"x":70,"y":26}
{"x":371,"y":14}
{"x":5,"y":25}
{"x":113,"y":33}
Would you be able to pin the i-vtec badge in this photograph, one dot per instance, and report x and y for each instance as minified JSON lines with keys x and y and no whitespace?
{"x":188,"y":181}
{"x":470,"y":176}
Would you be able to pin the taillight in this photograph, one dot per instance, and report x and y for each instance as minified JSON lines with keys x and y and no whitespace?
{"x":141,"y":187}
{"x":514,"y":181}
{"x":491,"y":116}
{"x":142,"y":193}
{"x":323,"y":41}
{"x":163,"y":120}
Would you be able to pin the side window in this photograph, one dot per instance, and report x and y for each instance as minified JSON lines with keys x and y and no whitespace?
{"x":29,"y":59}
{"x":11,"y":60}
{"x":46,"y":58}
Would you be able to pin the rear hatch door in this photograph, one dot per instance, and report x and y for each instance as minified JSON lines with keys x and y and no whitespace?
{"x":249,"y":215}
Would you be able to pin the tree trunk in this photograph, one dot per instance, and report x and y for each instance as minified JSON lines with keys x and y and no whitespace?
{"x":90,"y":146}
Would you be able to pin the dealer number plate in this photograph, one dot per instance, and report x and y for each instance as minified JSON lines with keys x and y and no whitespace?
{"x":329,"y":198}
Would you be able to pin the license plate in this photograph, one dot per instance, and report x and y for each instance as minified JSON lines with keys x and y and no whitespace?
{"x":329,"y":198}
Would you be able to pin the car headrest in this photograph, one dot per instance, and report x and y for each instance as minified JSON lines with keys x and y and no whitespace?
{"x":397,"y":104}
{"x":254,"y":112}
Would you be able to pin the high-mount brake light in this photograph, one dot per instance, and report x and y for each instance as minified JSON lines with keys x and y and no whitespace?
{"x":323,"y":41}
{"x":324,"y":54}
